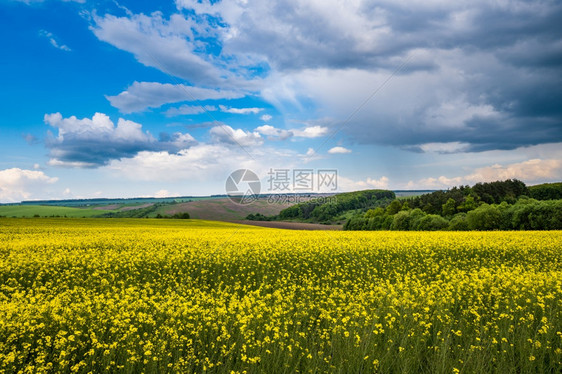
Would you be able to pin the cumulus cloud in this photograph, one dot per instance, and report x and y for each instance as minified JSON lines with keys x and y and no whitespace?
{"x":142,"y":95}
{"x":348,"y":184}
{"x":228,"y":135}
{"x":530,"y":171}
{"x":91,"y":142}
{"x":274,"y":133}
{"x":164,"y":193}
{"x":266,"y":117}
{"x":281,"y":134}
{"x":19,"y":184}
{"x":339,"y":150}
{"x":310,"y":132}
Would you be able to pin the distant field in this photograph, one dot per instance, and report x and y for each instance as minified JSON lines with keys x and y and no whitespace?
{"x":120,"y":202}
{"x":222,"y":209}
{"x":47,"y":211}
{"x":212,"y":208}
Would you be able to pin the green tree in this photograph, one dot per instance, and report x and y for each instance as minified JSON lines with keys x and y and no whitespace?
{"x":485,"y":217}
{"x":374,"y":212}
{"x":468,"y":204}
{"x":450,"y":207}
{"x":432,"y":222}
{"x":394,"y":207}
{"x":459,"y":223}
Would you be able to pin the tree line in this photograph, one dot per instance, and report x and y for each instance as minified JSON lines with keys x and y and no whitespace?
{"x":501,"y":205}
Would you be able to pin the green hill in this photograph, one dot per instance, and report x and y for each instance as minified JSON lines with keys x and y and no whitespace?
{"x":330,"y":208}
{"x":546,"y":191}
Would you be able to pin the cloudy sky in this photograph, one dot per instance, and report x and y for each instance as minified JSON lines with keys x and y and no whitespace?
{"x":142,"y":98}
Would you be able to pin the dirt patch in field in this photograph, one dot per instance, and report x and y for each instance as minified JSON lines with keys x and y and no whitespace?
{"x":108,"y":207}
{"x":127,"y":208}
{"x":222,"y":209}
{"x":292,"y":225}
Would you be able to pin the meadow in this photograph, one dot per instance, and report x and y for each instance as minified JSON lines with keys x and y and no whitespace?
{"x":153,"y":296}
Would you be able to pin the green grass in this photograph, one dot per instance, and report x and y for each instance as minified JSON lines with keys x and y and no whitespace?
{"x":48,"y":211}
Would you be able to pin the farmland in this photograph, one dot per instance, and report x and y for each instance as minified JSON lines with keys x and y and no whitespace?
{"x":98,"y":295}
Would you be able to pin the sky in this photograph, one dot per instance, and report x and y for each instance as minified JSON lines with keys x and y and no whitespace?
{"x":142,"y":98}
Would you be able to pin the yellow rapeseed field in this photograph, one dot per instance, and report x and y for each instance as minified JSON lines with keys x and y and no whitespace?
{"x":154,"y":296}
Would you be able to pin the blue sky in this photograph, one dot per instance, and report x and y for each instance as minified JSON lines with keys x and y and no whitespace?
{"x":140,"y":98}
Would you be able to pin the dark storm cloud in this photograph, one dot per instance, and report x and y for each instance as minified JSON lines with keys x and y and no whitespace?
{"x":498,"y":65}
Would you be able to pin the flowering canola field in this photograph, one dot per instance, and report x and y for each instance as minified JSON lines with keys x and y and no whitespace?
{"x":155,"y":296}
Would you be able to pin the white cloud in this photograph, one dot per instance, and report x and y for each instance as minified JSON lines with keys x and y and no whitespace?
{"x":310,"y":132}
{"x":181,"y":141}
{"x":200,"y":163}
{"x":450,"y":147}
{"x":273,"y":132}
{"x":306,"y":132}
{"x":194,"y":164}
{"x":347,"y":184}
{"x":266,"y":117}
{"x":93,"y":142}
{"x":53,"y":41}
{"x":530,"y":171}
{"x":142,"y":95}
{"x":226,"y":134}
{"x":240,"y":110}
{"x":382,"y":182}
{"x":339,"y":150}
{"x":18,"y":184}
{"x":71,"y":164}
{"x":99,"y":126}
{"x":167,"y":45}
{"x":190,"y":109}
{"x":163,"y":193}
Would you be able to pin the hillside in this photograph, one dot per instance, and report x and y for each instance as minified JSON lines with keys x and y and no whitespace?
{"x":331,"y":209}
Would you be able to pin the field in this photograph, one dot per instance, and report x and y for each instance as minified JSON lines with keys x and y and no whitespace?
{"x":47,"y":211}
{"x":223,"y":209}
{"x":211,"y":208}
{"x":95,"y":295}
